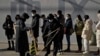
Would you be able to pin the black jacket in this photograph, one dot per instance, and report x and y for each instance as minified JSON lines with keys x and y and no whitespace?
{"x":35,"y":25}
{"x":51,"y":26}
{"x":8,"y":27}
{"x":69,"y":26}
{"x":44,"y":23}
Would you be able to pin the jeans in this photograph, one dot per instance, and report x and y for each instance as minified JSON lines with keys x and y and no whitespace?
{"x":68,"y":41}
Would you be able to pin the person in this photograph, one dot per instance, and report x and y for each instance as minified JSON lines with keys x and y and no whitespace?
{"x":98,"y":34}
{"x":69,"y":27}
{"x":43,"y":28}
{"x":22,"y":45}
{"x":9,"y":31}
{"x":52,"y":25}
{"x":61,"y":20}
{"x":78,"y":30}
{"x":87,"y":33}
{"x":35,"y":26}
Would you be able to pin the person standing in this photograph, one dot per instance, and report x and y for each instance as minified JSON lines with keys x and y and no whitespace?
{"x":69,"y":29}
{"x":61,"y":20}
{"x":43,"y":28}
{"x":98,"y":34}
{"x":78,"y":30}
{"x":52,"y":25}
{"x":35,"y":26}
{"x":87,"y":33}
{"x":9,"y":31}
{"x":22,"y":45}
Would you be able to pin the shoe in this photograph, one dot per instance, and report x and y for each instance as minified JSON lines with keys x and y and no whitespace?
{"x":79,"y":51}
{"x":97,"y":53}
{"x":67,"y":50}
{"x":44,"y":49}
{"x":59,"y":53}
{"x":46,"y":54}
{"x":85,"y":52}
{"x":12,"y":48}
{"x":9,"y":48}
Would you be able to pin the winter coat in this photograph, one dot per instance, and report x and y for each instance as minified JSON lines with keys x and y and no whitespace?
{"x":51,"y":26}
{"x":87,"y":30}
{"x":22,"y":44}
{"x":44,"y":23}
{"x":35,"y":25}
{"x":8,"y":27}
{"x":98,"y":34}
{"x":61,"y":19}
{"x":69,"y":26}
{"x":78,"y":27}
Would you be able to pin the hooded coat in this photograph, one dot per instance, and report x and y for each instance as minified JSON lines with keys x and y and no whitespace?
{"x":87,"y":30}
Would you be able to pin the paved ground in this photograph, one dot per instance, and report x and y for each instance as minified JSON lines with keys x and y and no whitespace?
{"x":4,"y":52}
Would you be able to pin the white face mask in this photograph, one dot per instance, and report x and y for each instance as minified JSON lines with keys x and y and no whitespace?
{"x":33,"y":14}
{"x":66,"y":18}
{"x":57,"y":15}
{"x":98,"y":16}
{"x":50,"y":20}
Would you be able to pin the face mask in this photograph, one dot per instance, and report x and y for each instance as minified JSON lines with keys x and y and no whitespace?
{"x":33,"y":14}
{"x":50,"y":20}
{"x":98,"y":16}
{"x":66,"y":18}
{"x":57,"y":15}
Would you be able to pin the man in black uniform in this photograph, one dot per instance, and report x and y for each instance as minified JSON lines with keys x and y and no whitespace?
{"x":51,"y":25}
{"x":35,"y":25}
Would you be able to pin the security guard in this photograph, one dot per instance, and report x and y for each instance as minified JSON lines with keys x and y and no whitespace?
{"x":51,"y":25}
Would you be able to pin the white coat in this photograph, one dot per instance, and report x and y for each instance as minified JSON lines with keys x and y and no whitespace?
{"x":87,"y":30}
{"x":98,"y":34}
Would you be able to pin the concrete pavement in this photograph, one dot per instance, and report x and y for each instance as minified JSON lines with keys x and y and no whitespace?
{"x":4,"y":52}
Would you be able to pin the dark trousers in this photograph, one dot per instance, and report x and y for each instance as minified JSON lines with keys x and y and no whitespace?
{"x":55,"y":50}
{"x":61,"y":34}
{"x":10,"y":42}
{"x":68,"y":41}
{"x":22,"y":53}
{"x":44,"y":40}
{"x":60,"y":44}
{"x":79,"y":42}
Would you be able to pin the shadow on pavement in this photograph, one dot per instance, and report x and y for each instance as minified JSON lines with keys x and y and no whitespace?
{"x":2,"y":50}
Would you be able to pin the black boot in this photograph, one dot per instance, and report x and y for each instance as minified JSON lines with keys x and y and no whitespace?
{"x":46,"y":54}
{"x":9,"y":48}
{"x":68,"y":49}
{"x":98,"y":52}
{"x":12,"y":45}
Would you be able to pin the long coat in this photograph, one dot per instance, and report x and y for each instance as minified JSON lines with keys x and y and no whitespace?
{"x":98,"y":34}
{"x":87,"y":30}
{"x":22,"y":44}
